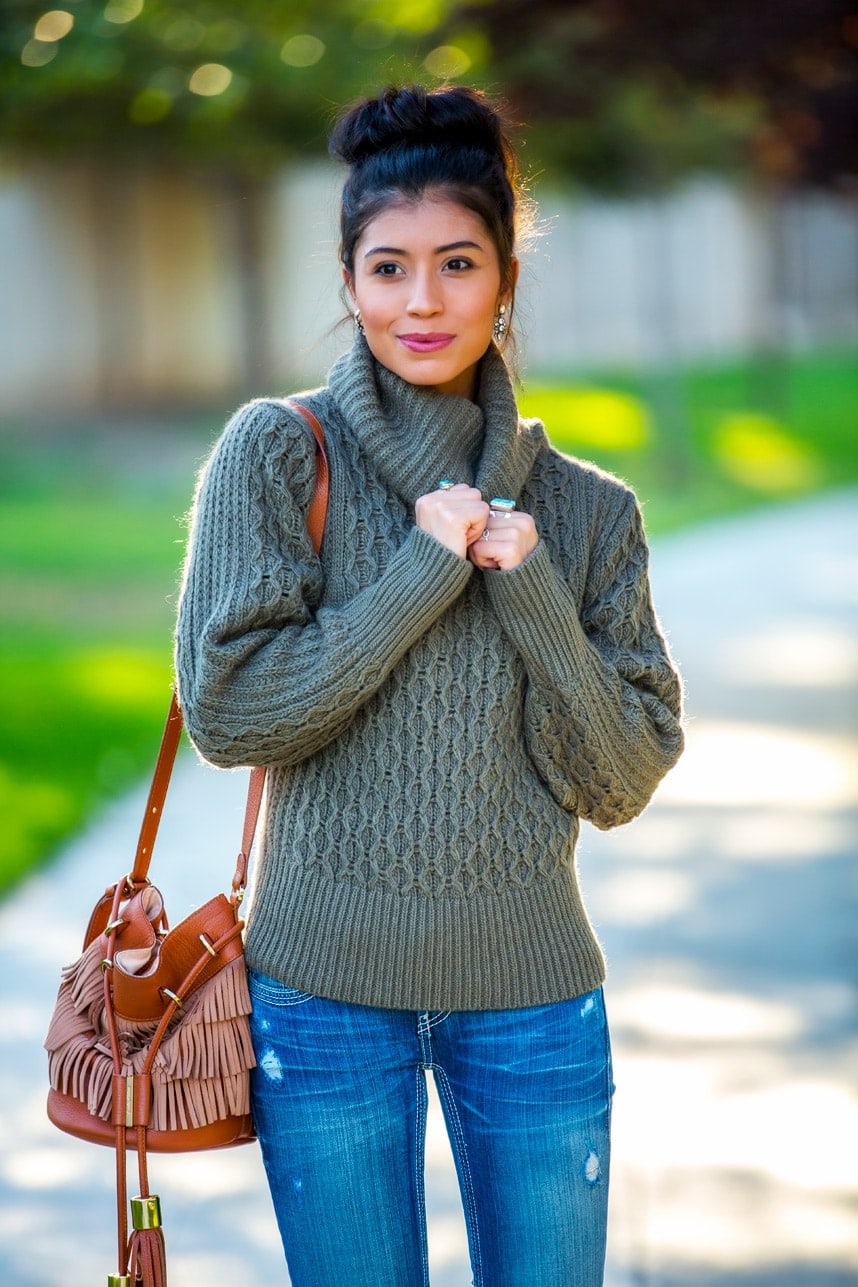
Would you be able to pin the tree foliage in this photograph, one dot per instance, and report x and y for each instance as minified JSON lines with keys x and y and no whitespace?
{"x":617,"y":93}
{"x":630,"y":92}
{"x":240,"y":86}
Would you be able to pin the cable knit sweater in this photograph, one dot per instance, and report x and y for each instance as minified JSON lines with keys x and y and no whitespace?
{"x":433,"y":733}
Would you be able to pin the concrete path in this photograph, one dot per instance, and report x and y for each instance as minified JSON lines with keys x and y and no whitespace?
{"x":728,"y":913}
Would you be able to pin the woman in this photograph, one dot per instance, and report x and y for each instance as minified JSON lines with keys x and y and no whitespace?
{"x":439,"y":697}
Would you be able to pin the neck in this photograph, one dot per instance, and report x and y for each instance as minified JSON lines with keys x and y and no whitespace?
{"x":417,"y":435}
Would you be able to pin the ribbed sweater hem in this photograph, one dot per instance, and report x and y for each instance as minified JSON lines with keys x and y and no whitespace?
{"x":376,"y":947}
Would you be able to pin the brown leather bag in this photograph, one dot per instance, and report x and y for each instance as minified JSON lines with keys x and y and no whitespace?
{"x":149,"y":1045}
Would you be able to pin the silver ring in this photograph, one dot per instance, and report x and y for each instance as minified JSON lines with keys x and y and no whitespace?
{"x":445,"y":484}
{"x":501,"y":503}
{"x":486,"y":534}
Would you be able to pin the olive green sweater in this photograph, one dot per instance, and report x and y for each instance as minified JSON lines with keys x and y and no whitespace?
{"x":433,"y":733}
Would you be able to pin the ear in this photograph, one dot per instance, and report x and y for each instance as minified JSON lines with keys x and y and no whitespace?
{"x":347,"y":278}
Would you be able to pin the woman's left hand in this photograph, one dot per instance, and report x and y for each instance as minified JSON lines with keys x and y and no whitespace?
{"x":507,"y":541}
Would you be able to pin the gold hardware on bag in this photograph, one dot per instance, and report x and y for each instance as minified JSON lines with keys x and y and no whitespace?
{"x":129,"y":1100}
{"x":146,"y":1212}
{"x":207,"y":944}
{"x":173,"y":996}
{"x":118,"y":1280}
{"x":114,"y":925}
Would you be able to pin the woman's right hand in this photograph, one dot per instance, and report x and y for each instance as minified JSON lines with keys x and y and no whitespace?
{"x":456,"y":516}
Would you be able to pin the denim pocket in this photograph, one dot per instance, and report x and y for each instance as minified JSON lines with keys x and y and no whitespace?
{"x":270,"y":991}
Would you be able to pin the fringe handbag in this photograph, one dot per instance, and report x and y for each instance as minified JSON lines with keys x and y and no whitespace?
{"x":149,"y":1045}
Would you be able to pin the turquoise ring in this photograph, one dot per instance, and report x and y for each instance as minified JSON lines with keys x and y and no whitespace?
{"x":501,"y":505}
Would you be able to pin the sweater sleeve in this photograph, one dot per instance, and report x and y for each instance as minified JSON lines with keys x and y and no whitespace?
{"x":603,"y":705}
{"x":265,"y":674}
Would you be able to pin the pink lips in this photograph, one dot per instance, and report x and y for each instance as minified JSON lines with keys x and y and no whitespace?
{"x":430,"y":343}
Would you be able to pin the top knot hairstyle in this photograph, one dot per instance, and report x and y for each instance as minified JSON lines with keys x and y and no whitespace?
{"x":405,"y":142}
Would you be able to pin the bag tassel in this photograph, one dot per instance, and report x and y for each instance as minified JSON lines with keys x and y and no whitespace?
{"x":147,"y":1257}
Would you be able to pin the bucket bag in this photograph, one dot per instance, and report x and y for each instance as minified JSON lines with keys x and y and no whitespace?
{"x":149,"y":1045}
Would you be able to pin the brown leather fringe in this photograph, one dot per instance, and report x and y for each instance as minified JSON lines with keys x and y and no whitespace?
{"x":198,"y":1074}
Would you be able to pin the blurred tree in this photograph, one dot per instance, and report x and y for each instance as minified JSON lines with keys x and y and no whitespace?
{"x":624,"y":93}
{"x":616,"y":92}
{"x":210,"y":81}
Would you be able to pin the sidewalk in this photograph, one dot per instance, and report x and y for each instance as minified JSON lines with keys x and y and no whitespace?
{"x":728,"y":914}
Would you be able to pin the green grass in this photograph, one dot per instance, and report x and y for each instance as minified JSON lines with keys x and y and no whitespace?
{"x":708,"y":441}
{"x":89,"y":563}
{"x":91,"y":535}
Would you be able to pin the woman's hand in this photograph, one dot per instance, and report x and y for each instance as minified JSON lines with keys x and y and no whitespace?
{"x":455,"y":516}
{"x":505,"y":542}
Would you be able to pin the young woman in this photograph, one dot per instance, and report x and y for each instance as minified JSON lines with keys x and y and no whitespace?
{"x":470,"y":667}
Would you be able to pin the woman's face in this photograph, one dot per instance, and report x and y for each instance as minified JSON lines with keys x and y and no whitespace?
{"x":427,"y":282}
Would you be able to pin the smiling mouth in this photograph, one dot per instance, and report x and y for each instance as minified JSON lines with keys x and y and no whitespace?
{"x":426,"y":343}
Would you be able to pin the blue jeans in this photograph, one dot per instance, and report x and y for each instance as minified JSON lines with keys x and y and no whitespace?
{"x":339,"y":1101}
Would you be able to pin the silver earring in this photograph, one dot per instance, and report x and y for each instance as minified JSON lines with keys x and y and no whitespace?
{"x":358,"y":320}
{"x":501,"y":323}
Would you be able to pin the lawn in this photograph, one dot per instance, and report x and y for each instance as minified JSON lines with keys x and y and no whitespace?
{"x":90,"y":552}
{"x":91,"y":534}
{"x":712,"y":440}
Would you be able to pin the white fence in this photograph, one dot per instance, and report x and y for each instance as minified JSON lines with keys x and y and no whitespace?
{"x":137,"y":289}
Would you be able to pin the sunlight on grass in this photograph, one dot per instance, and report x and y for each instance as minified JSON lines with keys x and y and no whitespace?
{"x":118,"y":678}
{"x":586,"y":417}
{"x":758,"y":452}
{"x":35,"y":812}
{"x":104,"y":708}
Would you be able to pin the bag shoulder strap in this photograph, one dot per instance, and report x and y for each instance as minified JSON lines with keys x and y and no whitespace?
{"x":316,"y":516}
{"x":318,"y":510}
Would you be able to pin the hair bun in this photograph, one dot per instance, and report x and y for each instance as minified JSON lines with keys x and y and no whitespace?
{"x":458,"y":116}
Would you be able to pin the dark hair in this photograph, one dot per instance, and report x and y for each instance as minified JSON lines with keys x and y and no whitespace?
{"x":406,"y":141}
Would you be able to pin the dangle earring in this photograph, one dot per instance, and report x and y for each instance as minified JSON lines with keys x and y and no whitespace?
{"x":501,"y":324}
{"x":358,"y":320}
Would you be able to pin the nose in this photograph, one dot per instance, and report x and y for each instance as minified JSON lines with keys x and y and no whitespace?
{"x":424,"y":299}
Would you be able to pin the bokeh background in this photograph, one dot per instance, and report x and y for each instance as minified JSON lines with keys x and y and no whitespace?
{"x":168,"y":237}
{"x":688,"y":311}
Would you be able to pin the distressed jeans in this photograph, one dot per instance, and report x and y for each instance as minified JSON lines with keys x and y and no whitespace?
{"x":339,"y":1102}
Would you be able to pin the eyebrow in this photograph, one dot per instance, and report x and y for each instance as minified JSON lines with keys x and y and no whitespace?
{"x":442,"y":250}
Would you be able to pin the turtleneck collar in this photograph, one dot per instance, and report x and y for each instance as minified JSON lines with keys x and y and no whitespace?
{"x":417,"y":436}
